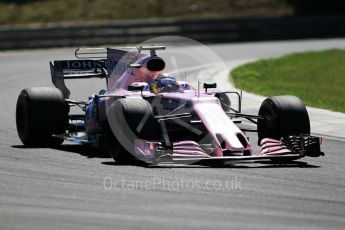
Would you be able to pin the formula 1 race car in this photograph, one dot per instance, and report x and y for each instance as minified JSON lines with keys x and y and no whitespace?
{"x":147,"y":114}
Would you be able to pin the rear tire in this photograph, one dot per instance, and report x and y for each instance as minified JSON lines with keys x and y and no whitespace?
{"x":40,"y":113}
{"x":283,"y":116}
{"x":129,"y":119}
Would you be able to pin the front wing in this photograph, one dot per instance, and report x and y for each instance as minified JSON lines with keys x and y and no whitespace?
{"x":190,"y":152}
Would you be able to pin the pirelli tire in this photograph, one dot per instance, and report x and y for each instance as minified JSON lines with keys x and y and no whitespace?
{"x":41,"y":112}
{"x":224,"y":100}
{"x":283,"y":116}
{"x":129,"y":119}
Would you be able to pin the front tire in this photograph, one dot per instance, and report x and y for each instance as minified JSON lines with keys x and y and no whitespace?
{"x":224,"y":100}
{"x":129,"y":119}
{"x":283,"y":116}
{"x":114,"y":148}
{"x":40,"y":113}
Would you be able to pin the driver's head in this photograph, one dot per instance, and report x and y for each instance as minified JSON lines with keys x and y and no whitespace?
{"x":164,"y":82}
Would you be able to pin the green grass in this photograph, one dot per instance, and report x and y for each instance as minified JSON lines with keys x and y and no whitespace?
{"x":318,"y":78}
{"x":62,"y":11}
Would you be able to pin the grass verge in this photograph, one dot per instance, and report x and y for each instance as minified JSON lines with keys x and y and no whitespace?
{"x":318,"y":78}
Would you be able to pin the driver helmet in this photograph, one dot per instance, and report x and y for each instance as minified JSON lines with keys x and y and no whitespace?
{"x":164,"y":82}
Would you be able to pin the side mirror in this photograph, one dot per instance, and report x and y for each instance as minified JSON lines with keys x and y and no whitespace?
{"x":210,"y":86}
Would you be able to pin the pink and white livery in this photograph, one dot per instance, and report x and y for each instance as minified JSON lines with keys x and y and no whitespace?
{"x":146,"y":114}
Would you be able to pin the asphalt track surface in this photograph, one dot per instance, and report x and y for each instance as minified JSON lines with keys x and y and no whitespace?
{"x":64,"y":188}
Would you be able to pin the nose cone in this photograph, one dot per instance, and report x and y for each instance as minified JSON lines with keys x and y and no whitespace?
{"x":226,"y":134}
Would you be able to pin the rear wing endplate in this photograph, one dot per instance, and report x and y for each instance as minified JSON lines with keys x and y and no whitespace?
{"x":75,"y":69}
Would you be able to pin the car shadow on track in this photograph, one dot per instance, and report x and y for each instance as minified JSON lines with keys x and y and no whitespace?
{"x":256,"y":164}
{"x":86,"y":151}
{"x":134,"y":163}
{"x":91,"y":152}
{"x":82,"y":150}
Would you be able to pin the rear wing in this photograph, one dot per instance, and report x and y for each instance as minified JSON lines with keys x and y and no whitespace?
{"x":75,"y":69}
{"x":105,"y":63}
